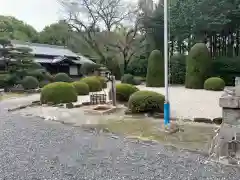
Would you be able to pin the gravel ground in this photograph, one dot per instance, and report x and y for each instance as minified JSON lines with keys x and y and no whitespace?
{"x":32,"y":149}
{"x":191,"y":103}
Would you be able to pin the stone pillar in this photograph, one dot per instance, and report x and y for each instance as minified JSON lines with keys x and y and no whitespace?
{"x":225,"y":146}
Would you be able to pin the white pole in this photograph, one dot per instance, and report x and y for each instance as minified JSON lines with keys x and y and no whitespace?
{"x":166,"y":104}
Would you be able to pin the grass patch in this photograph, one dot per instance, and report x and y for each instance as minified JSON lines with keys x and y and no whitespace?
{"x":193,"y":137}
{"x":5,"y":96}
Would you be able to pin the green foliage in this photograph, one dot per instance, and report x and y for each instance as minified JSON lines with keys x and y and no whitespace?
{"x":58,"y":92}
{"x":138,"y":67}
{"x":81,"y":88}
{"x":11,"y":80}
{"x":11,"y":28}
{"x":155,"y":72}
{"x":40,"y":74}
{"x":177,"y":69}
{"x":124,"y":91}
{"x":128,"y":79}
{"x":93,"y":83}
{"x":43,"y":83}
{"x":103,"y":81}
{"x":146,"y":101}
{"x":2,"y":80}
{"x":198,"y":65}
{"x":114,"y":67}
{"x":214,"y":84}
{"x":227,"y":68}
{"x":138,"y":80}
{"x":62,"y":77}
{"x":30,"y":82}
{"x":88,"y":68}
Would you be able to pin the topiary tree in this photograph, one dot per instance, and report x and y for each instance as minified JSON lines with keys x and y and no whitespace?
{"x":214,"y":84}
{"x":93,"y":83}
{"x":155,"y":71}
{"x":29,"y":82}
{"x":102,"y":81}
{"x":146,"y":101}
{"x":124,"y":91}
{"x":58,"y":92}
{"x":62,"y":77}
{"x":198,"y":64}
{"x":81,"y":88}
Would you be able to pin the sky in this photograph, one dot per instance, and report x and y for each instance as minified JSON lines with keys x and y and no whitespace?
{"x":37,"y":13}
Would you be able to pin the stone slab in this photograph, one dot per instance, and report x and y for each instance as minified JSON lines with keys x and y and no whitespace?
{"x":231,"y":116}
{"x":229,"y":102}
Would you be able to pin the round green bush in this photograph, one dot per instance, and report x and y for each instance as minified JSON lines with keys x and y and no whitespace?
{"x":138,"y":80}
{"x":43,"y":83}
{"x":155,"y":71}
{"x":29,"y":82}
{"x":103,"y":81}
{"x":40,"y":74}
{"x":198,"y":64}
{"x":146,"y":101}
{"x":214,"y":84}
{"x":81,"y":88}
{"x":58,"y":92}
{"x":124,"y":91}
{"x":62,"y":77}
{"x":93,"y":83}
{"x":128,"y":79}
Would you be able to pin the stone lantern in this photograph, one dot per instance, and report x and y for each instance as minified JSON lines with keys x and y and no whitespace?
{"x":226,"y":146}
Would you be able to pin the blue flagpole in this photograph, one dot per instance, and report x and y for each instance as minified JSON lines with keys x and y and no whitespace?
{"x":166,"y":104}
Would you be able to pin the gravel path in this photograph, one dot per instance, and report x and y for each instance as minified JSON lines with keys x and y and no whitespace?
{"x":32,"y":149}
{"x":191,"y":103}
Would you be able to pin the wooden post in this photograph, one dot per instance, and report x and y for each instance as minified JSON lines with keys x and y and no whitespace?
{"x":114,"y":100}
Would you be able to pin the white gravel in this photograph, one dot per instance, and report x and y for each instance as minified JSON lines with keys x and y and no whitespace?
{"x":190,"y":103}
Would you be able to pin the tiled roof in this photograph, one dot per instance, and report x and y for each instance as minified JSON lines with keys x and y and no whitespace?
{"x":45,"y":49}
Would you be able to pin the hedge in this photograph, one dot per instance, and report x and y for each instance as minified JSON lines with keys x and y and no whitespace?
{"x":155,"y":71}
{"x":81,"y":88}
{"x":58,"y":92}
{"x":124,"y":91}
{"x":30,"y":82}
{"x":93,"y":83}
{"x":214,"y":84}
{"x":198,"y":65}
{"x":146,"y":101}
{"x":62,"y":77}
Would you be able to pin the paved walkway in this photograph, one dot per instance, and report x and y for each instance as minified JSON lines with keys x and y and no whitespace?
{"x":33,"y":149}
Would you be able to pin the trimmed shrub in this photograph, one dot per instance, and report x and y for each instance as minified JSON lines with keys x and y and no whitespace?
{"x":177,"y":69}
{"x":128,"y":79}
{"x":226,"y":68}
{"x":29,"y":82}
{"x":62,"y":77}
{"x":40,"y":74}
{"x":43,"y":83}
{"x":138,"y":80}
{"x":198,"y":64}
{"x":124,"y":91}
{"x":155,"y":71}
{"x":146,"y":101}
{"x":102,"y":81}
{"x":214,"y":84}
{"x":81,"y":88}
{"x":93,"y":83}
{"x":58,"y":92}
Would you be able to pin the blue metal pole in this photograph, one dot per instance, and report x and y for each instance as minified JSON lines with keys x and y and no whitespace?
{"x":166,"y":104}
